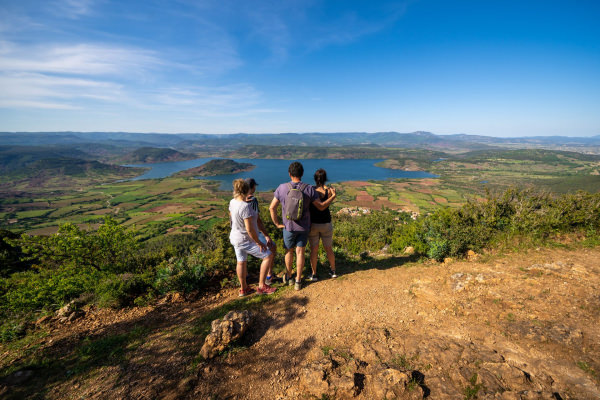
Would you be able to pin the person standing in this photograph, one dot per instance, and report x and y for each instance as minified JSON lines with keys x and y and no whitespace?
{"x":245,"y":240}
{"x":262,"y":232}
{"x":296,"y":218}
{"x":321,"y":227}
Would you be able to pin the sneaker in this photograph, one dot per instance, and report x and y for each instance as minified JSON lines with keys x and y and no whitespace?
{"x":269,"y":280}
{"x":290,"y":281}
{"x":332,"y":273}
{"x":297,"y":285}
{"x":246,"y":292}
{"x":313,"y":278}
{"x":266,"y":290}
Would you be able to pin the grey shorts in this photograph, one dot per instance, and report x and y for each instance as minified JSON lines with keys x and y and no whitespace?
{"x":323,"y":232}
{"x":243,"y":249}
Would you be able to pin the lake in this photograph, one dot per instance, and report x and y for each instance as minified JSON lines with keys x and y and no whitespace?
{"x":269,"y":173}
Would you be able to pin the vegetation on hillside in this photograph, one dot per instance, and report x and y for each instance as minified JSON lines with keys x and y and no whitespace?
{"x":154,"y":154}
{"x":111,"y":266}
{"x":217,"y":167}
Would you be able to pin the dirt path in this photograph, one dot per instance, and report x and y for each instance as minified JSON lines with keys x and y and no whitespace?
{"x":515,"y":327}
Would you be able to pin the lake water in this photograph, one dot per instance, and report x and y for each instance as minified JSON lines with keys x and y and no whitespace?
{"x":269,"y":173}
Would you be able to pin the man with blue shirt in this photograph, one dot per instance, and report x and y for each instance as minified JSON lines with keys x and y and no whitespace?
{"x":295,"y":231}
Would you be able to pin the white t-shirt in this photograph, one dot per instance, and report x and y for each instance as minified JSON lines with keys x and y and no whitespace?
{"x":240,"y":210}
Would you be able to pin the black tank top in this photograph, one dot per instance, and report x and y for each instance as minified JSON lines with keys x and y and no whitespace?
{"x":317,"y":216}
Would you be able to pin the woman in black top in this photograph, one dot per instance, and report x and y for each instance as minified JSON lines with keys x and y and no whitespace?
{"x":321,"y":227}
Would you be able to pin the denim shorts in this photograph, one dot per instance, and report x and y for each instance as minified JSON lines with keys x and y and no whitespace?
{"x":294,"y":239}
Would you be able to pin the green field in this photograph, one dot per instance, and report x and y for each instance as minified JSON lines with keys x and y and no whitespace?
{"x":182,"y":205}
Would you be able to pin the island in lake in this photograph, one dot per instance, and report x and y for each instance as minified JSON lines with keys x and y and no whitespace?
{"x":217,"y":167}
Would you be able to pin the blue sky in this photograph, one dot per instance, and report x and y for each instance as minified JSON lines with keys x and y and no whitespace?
{"x":496,"y":68}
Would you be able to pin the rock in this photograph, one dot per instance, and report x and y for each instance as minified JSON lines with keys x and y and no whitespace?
{"x":461,"y":281}
{"x":448,"y":260}
{"x":226,"y":331}
{"x":43,"y":320}
{"x":313,"y":379}
{"x":390,"y":383}
{"x":409,"y":251}
{"x":471,"y":255}
{"x":73,"y":307}
{"x":19,"y":377}
{"x":75,"y":315}
{"x":175,"y":297}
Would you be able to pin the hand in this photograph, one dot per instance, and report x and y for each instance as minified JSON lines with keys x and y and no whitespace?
{"x":333,"y":192}
{"x":268,"y":239}
{"x":262,"y":246}
{"x":280,"y":226}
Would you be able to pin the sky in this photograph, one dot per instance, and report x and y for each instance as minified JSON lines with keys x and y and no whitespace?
{"x":495,"y":68}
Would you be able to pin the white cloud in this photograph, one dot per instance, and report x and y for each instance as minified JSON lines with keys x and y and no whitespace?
{"x":80,"y":59}
{"x":72,"y":9}
{"x":34,"y":90}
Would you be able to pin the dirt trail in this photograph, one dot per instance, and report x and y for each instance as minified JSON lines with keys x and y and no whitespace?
{"x":517,"y":326}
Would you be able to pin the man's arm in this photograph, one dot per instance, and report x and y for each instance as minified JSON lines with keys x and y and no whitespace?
{"x":273,"y":211}
{"x":322,"y":205}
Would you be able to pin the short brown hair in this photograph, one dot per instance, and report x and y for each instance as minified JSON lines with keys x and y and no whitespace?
{"x":296,"y":169}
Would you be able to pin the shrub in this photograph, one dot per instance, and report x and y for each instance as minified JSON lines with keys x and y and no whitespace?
{"x":451,"y":232}
{"x":181,"y":274}
{"x":368,"y":232}
{"x":122,"y":290}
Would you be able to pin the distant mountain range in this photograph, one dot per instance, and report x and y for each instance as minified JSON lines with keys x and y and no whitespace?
{"x":195,"y":142}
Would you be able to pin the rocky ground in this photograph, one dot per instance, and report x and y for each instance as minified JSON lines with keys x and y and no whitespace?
{"x":518,"y":326}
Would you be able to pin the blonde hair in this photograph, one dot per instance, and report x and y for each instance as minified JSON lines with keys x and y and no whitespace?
{"x":240,"y":187}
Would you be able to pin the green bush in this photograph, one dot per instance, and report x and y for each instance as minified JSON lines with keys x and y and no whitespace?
{"x":111,"y":248}
{"x":45,"y":288}
{"x":181,"y":274}
{"x":369,"y":232}
{"x":122,"y":290}
{"x":451,"y":232}
{"x":12,"y":330}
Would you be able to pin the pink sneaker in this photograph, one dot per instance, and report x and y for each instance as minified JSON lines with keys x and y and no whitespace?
{"x":246,"y":292}
{"x":266,"y":290}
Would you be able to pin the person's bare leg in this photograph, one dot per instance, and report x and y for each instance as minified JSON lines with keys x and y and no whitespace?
{"x":264,"y":267}
{"x":330,"y":257}
{"x":300,"y":258}
{"x":242,"y":271}
{"x":274,"y":252}
{"x":314,"y":258}
{"x":289,"y":262}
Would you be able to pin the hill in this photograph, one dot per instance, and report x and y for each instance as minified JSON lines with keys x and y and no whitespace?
{"x":217,"y":167}
{"x":214,"y":144}
{"x":509,"y":326}
{"x":153,"y":155}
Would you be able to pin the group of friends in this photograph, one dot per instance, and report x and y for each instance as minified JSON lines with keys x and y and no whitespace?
{"x":310,"y":224}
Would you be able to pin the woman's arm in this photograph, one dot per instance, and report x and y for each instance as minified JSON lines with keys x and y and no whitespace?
{"x":252,"y":233}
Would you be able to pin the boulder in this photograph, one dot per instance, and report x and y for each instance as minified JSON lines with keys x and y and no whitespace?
{"x":71,"y":311}
{"x":226,"y":331}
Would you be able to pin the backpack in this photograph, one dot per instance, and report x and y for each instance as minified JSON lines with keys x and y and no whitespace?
{"x":293,"y":208}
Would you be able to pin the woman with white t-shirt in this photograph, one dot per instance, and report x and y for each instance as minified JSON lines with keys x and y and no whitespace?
{"x":245,"y":240}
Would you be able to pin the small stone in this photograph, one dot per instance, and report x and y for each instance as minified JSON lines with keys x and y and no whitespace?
{"x":42,"y":320}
